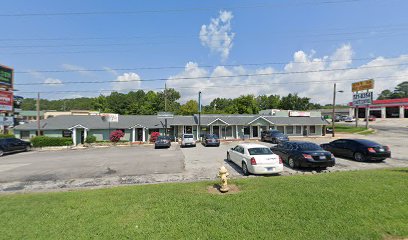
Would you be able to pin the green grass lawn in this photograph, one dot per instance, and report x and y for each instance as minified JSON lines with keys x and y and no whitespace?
{"x":341,"y":205}
{"x":349,"y":129}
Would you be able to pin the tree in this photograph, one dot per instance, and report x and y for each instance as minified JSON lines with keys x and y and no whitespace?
{"x":245,"y":104}
{"x":294,"y":102}
{"x":401,"y":90}
{"x":172,"y":96}
{"x":189,"y":108}
{"x":385,"y":94}
{"x":268,"y":102}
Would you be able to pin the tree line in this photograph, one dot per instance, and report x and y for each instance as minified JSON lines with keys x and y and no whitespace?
{"x":150,"y":102}
{"x":400,"y":91}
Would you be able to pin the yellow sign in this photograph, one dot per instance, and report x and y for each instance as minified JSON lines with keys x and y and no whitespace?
{"x":363,"y":85}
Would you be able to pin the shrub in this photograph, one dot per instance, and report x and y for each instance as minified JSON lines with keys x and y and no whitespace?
{"x":43,"y":141}
{"x":90,"y":139}
{"x":7,"y":135}
{"x":116,"y":135}
{"x":154,"y":136}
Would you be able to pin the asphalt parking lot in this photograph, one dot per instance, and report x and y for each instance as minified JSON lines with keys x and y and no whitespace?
{"x":144,"y":164}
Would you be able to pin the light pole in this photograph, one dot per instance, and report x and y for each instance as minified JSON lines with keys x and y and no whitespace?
{"x":334,"y":105}
{"x":199,"y":115}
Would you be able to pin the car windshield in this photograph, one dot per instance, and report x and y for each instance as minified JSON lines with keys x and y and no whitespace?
{"x":188,"y":136}
{"x":308,"y":147}
{"x":163,"y":138}
{"x":278,"y":134}
{"x":212,"y":136}
{"x":259,"y":151}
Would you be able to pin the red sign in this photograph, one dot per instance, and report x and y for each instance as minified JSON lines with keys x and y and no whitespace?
{"x":6,"y":101}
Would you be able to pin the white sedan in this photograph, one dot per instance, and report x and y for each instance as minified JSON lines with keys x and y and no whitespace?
{"x":255,"y":159}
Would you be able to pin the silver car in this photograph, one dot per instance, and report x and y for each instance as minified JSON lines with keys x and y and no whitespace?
{"x":187,"y":140}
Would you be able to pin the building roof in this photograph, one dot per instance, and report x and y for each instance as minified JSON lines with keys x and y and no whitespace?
{"x":151,"y":121}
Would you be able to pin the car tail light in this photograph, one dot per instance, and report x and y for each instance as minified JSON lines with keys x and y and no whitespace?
{"x":332,"y":156}
{"x":253,"y":161}
{"x":280,"y":160}
{"x":387,"y":148}
{"x":307,"y":156}
{"x":372,"y":150}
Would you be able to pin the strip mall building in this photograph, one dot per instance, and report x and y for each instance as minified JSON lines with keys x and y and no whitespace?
{"x":137,"y":128}
{"x":388,"y":108}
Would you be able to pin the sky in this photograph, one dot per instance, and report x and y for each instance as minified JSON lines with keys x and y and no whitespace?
{"x":221,"y":48}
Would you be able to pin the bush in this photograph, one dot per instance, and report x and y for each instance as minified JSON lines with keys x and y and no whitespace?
{"x":7,"y":135}
{"x":43,"y":141}
{"x":116,"y":135}
{"x":154,"y":136}
{"x":90,"y":139}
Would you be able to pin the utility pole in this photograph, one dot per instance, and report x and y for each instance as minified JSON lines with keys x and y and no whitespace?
{"x":38,"y":115}
{"x":334,"y":103}
{"x":165,"y":108}
{"x":199,"y":113}
{"x":367,"y":112}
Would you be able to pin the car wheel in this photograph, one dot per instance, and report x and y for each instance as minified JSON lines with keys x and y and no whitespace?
{"x":291,"y":163}
{"x":28,"y":148}
{"x":245,"y":169}
{"x":228,"y":157}
{"x":1,"y":153}
{"x":359,"y":157}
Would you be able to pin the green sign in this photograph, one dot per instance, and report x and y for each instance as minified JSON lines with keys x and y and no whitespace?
{"x":6,"y":76}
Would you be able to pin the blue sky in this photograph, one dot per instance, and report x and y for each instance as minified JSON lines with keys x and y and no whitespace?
{"x":324,"y":35}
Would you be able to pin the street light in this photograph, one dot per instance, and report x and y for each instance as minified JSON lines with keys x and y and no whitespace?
{"x":334,"y":105}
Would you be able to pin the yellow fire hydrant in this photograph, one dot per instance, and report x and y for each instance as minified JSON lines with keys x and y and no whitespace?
{"x":223,"y":174}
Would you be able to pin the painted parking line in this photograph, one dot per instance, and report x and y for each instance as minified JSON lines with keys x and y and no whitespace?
{"x":7,"y":167}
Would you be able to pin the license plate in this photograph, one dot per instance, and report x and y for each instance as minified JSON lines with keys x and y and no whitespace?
{"x":269,"y":169}
{"x":381,"y":150}
{"x":322,"y":157}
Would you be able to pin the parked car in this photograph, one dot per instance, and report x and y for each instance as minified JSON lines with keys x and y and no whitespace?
{"x":337,"y":118}
{"x":187,"y":140}
{"x":370,"y":118}
{"x":343,"y":118}
{"x":255,"y":159}
{"x":273,"y":136}
{"x":358,"y":149}
{"x":162,"y":141}
{"x":349,"y":119}
{"x":304,"y":154}
{"x":211,"y":140}
{"x":10,"y":145}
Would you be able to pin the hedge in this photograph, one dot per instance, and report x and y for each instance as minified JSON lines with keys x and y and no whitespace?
{"x":7,"y":136}
{"x":42,"y":141}
{"x":90,"y":139}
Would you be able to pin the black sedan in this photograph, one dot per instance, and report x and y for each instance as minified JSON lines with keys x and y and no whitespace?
{"x":11,"y":145}
{"x":274,"y":136}
{"x":304,"y":154}
{"x":162,"y":142}
{"x":211,"y":140}
{"x":358,"y":149}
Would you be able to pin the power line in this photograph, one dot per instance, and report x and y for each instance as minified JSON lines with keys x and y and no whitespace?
{"x":155,"y":11}
{"x":215,"y":77}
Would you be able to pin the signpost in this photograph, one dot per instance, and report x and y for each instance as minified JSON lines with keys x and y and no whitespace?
{"x":165,"y":116}
{"x":6,"y":94}
{"x":6,"y":101}
{"x":362,"y":98}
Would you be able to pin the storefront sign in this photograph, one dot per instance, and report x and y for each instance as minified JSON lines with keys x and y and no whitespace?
{"x":6,"y":101}
{"x":364,"y":98}
{"x":110,"y":117}
{"x":6,"y":76}
{"x":299,"y":114}
{"x":363,"y":85}
{"x":6,"y":121}
{"x":165,"y":115}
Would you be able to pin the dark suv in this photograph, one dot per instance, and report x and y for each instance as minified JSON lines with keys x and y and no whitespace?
{"x":273,"y":136}
{"x":10,"y":145}
{"x":211,"y":140}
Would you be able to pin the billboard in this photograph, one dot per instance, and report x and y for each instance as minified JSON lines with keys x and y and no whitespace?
{"x":6,"y":76}
{"x":364,"y":98}
{"x":110,"y":117}
{"x":363,"y":85}
{"x":299,"y":114}
{"x":6,"y":101}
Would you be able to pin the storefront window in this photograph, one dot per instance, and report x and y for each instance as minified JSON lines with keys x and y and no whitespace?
{"x":280,"y":129}
{"x":188,"y":129}
{"x":228,"y":131}
{"x":289,"y":129}
{"x":25,"y":134}
{"x":67,"y":133}
{"x":298,"y":129}
{"x":312,"y":129}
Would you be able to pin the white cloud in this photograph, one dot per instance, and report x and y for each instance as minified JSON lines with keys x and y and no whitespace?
{"x":127,"y":82}
{"x":53,"y":82}
{"x":285,"y":81}
{"x":81,"y":70}
{"x":218,"y":35}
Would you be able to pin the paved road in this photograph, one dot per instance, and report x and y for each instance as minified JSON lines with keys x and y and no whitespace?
{"x":90,"y":163}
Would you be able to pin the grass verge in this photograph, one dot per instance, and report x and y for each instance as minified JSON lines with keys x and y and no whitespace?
{"x":350,"y":129}
{"x":341,"y":205}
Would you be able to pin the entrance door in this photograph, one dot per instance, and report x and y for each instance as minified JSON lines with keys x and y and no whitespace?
{"x":139,"y":134}
{"x":255,"y":131}
{"x":216,"y":131}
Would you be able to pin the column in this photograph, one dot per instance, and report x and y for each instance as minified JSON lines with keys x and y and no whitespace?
{"x":236,"y":132}
{"x":250,"y":131}
{"x":401,"y":111}
{"x":85,"y":133}
{"x":351,"y":112}
{"x":133,"y":134}
{"x":74,"y":140}
{"x":383,"y":112}
{"x":144,"y":135}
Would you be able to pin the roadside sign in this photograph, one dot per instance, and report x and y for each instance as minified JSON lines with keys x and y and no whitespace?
{"x":364,"y":98}
{"x":299,"y":114}
{"x":362,"y":85}
{"x":6,"y":76}
{"x":165,"y":115}
{"x":110,"y":117}
{"x":6,"y":121}
{"x":6,"y":101}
